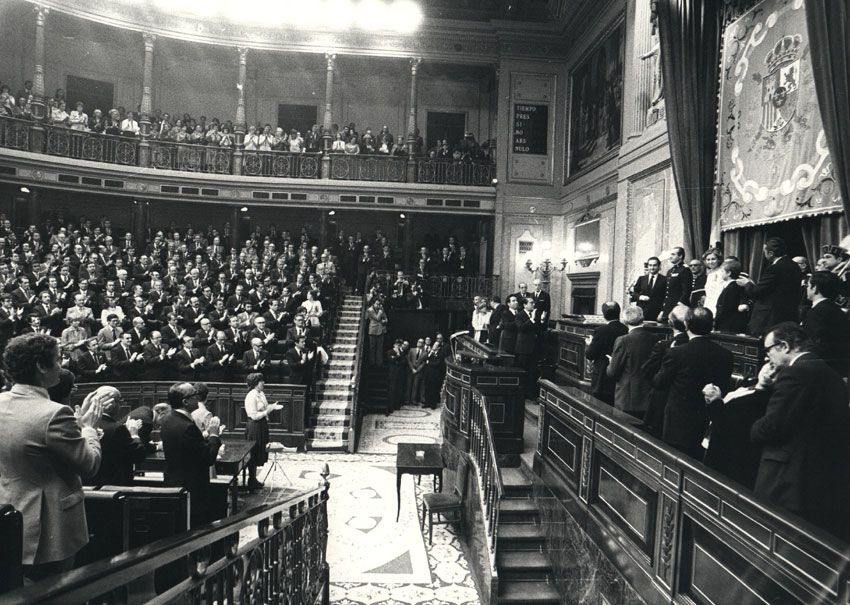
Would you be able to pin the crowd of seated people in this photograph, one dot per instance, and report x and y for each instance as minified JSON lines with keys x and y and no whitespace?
{"x":220,"y":133}
{"x":184,"y":306}
{"x":786,"y":435}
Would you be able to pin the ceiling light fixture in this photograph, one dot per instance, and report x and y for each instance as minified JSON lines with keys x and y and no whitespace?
{"x":25,"y":190}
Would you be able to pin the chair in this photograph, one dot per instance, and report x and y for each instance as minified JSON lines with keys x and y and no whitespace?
{"x":442,"y":505}
{"x":275,"y":450}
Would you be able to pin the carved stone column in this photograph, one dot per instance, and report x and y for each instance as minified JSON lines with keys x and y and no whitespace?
{"x":39,"y":111}
{"x":327,"y":121}
{"x":411,"y":121}
{"x":145,"y":107}
{"x":240,"y":125}
{"x":642,"y":65}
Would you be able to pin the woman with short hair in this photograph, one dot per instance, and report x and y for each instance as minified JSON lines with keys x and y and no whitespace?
{"x":257,"y":408}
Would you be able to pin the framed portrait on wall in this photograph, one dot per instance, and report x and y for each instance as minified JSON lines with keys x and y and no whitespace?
{"x":596,"y":103}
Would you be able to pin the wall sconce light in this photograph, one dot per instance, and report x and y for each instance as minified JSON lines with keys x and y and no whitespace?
{"x":544,"y":265}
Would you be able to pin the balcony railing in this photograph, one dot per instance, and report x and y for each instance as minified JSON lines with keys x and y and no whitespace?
{"x":191,"y":158}
{"x":451,"y":172}
{"x":61,"y":141}
{"x":447,"y":286}
{"x":285,"y":563}
{"x":282,"y":164}
{"x":91,"y":146}
{"x":368,"y":167}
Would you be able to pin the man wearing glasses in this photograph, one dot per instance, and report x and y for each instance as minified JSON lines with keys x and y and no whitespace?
{"x":188,"y":456}
{"x":805,"y":432}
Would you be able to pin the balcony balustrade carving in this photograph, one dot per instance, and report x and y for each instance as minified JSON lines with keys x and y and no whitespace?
{"x":197,"y":158}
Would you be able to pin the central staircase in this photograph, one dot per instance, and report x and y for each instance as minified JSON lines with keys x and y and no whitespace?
{"x":329,"y":425}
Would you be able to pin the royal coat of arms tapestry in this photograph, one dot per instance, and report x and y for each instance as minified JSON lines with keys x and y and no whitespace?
{"x":773,"y":160}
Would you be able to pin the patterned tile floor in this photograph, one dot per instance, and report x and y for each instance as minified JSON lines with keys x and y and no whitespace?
{"x":373,"y":559}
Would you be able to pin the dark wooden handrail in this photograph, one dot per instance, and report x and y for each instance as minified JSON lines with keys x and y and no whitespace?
{"x":362,"y":345}
{"x":452,"y":287}
{"x":482,"y":447}
{"x":287,"y":558}
{"x":679,"y":531}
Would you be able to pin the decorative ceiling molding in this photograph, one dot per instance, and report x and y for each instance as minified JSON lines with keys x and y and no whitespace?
{"x":439,"y":40}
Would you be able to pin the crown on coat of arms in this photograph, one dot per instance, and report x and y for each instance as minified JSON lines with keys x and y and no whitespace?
{"x":786,"y":50}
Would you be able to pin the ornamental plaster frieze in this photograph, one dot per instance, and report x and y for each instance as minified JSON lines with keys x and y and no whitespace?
{"x":24,"y":168}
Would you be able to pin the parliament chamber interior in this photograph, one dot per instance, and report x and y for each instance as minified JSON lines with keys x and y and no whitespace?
{"x":563,"y":284}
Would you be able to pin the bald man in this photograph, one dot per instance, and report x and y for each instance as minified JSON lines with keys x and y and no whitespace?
{"x":120,"y":445}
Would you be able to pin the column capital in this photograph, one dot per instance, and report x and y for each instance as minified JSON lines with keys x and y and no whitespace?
{"x":331,"y":60}
{"x":243,"y":53}
{"x":149,"y":39}
{"x":41,"y":12}
{"x":415,"y":62}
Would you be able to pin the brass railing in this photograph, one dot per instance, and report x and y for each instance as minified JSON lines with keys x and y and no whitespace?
{"x":190,"y":157}
{"x":482,"y":448}
{"x":455,"y":172}
{"x":282,"y":164}
{"x":285,"y":563}
{"x":363,"y":167}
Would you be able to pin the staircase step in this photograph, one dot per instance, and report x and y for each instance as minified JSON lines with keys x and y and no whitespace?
{"x":327,"y":445}
{"x":330,"y":433}
{"x":527,"y":592}
{"x":518,"y":509}
{"x":520,"y":535}
{"x":330,"y":421}
{"x":514,"y":564}
{"x":515,"y":482}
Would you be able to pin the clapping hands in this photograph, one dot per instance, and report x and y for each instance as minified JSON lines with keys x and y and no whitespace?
{"x":214,"y":427}
{"x":89,"y":414}
{"x":133,"y":426}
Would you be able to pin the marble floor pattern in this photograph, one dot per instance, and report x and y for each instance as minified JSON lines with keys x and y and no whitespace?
{"x":400,"y":567}
{"x":410,"y":424}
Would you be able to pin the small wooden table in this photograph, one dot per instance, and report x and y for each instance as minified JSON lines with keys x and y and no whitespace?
{"x":233,"y":461}
{"x":407,"y":462}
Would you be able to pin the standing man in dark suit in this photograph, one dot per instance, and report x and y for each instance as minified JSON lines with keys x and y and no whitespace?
{"x":526,"y":345}
{"x":650,"y":290}
{"x":777,"y":295}
{"x":826,"y":324}
{"x":498,"y":309}
{"x":679,"y":282}
{"x":396,"y":374}
{"x":120,"y":443}
{"x":805,"y":433}
{"x":599,"y":349}
{"x":188,"y":456}
{"x":508,"y":326}
{"x":686,"y":370}
{"x":542,"y":305}
{"x":631,"y":393}
{"x":653,"y":419}
{"x":416,"y":358}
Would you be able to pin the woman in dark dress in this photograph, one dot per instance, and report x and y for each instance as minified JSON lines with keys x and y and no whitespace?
{"x":732,"y":308}
{"x":257,"y":409}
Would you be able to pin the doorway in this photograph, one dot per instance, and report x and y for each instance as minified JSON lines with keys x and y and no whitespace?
{"x":94,"y":94}
{"x":441,"y":125}
{"x":299,"y":117}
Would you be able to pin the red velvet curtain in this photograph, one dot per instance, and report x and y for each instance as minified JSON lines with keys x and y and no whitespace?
{"x":690,"y":35}
{"x":829,"y":43}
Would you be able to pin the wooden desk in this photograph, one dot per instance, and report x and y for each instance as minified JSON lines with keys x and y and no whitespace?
{"x":407,"y":462}
{"x":232,"y":460}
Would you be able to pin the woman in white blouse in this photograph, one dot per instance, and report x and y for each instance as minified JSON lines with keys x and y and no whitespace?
{"x":313,"y":307}
{"x":714,"y":278}
{"x":252,"y":139}
{"x":78,"y":118}
{"x":257,"y":408}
